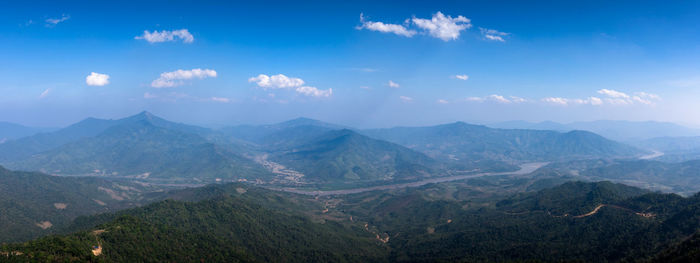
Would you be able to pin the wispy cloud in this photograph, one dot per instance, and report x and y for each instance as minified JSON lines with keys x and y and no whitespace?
{"x":441,"y":101}
{"x":220,"y":99}
{"x":613,"y":93}
{"x":442,"y":26}
{"x":166,"y":36}
{"x":406,"y":98}
{"x":595,"y":101}
{"x":384,"y":27}
{"x":462,"y":77}
{"x":611,"y":97}
{"x":45,"y":93}
{"x":492,"y":34}
{"x":97,"y":79}
{"x":175,"y":78}
{"x":176,"y":96}
{"x":393,"y":84}
{"x":621,"y":98}
{"x":496,"y":98}
{"x":55,"y":21}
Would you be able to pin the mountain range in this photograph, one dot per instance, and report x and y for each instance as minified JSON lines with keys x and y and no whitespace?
{"x":301,"y":152}
{"x":141,"y":146}
{"x":461,"y":141}
{"x":626,"y":131}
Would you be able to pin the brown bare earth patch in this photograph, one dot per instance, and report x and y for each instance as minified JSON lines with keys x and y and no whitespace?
{"x":44,"y":224}
{"x":113,"y":194}
{"x":60,"y":205}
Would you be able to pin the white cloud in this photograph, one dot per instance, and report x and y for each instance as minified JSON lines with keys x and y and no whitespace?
{"x":45,"y":93}
{"x":175,"y":96}
{"x":281,"y":81}
{"x":492,"y":34}
{"x":220,"y":99}
{"x":645,"y":98}
{"x":648,"y":95}
{"x":167,"y":36}
{"x":56,"y":21}
{"x":462,"y":77}
{"x":498,"y":98}
{"x":595,"y":101}
{"x":443,"y":27}
{"x":556,"y":100}
{"x":441,"y":101}
{"x":364,"y":87}
{"x":314,"y":92}
{"x":613,"y":93}
{"x":393,"y":84}
{"x":613,"y":98}
{"x":621,"y":98}
{"x":517,"y":99}
{"x":406,"y":99}
{"x":385,"y":28}
{"x":174,"y":78}
{"x":278,"y":81}
{"x":97,"y":79}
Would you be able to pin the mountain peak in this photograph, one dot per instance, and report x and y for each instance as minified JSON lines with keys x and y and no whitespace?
{"x":144,"y":116}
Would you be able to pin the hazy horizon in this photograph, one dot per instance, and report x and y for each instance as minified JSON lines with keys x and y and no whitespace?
{"x":357,"y":64}
{"x":264,"y":122}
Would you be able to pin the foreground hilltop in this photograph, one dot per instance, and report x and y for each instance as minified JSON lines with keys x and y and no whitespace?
{"x":236,"y":222}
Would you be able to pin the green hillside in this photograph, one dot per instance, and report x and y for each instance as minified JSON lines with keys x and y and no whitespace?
{"x":226,"y":228}
{"x":34,"y":204}
{"x":344,"y":155}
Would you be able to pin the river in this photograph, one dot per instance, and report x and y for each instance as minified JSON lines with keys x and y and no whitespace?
{"x":524,"y":169}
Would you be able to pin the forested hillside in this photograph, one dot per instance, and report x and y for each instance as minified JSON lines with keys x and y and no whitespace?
{"x":572,"y":222}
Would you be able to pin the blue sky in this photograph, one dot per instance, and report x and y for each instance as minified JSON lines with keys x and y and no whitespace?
{"x":477,"y":61}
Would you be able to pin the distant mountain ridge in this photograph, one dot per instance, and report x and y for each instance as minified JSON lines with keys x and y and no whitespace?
{"x":27,"y":146}
{"x":10,"y":131}
{"x":462,"y":141}
{"x":617,"y":130}
{"x":272,"y":133}
{"x":144,"y":146}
